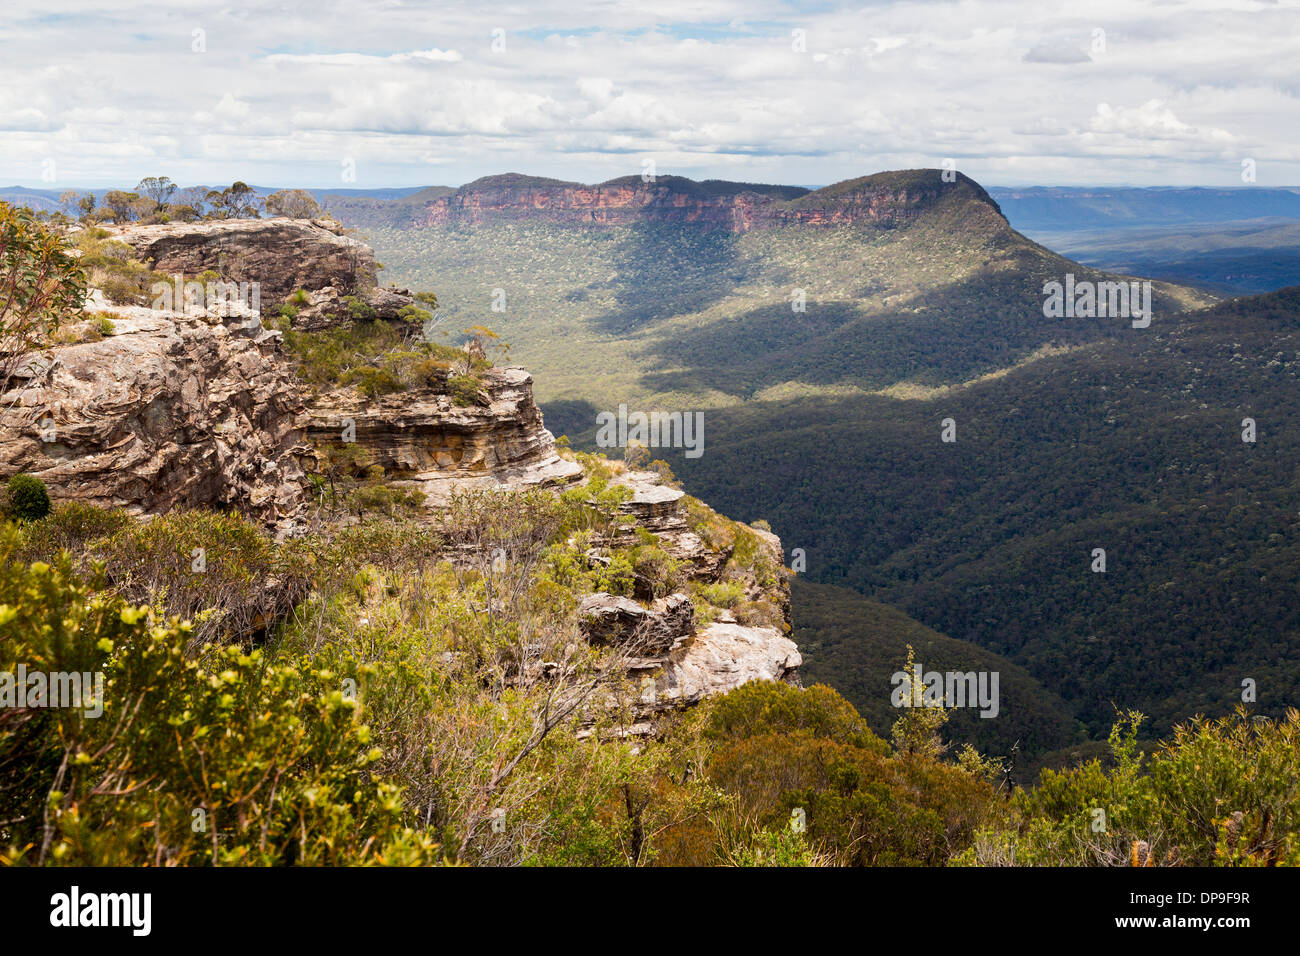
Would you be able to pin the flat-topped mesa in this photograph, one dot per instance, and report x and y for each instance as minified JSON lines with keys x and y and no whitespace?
{"x":423,"y":439}
{"x":883,"y":199}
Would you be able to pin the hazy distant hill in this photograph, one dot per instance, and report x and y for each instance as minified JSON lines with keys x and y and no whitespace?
{"x":1065,"y":208}
{"x":39,"y":200}
{"x":1233,"y":241}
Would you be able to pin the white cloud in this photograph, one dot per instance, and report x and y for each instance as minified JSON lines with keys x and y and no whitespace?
{"x":585,"y":89}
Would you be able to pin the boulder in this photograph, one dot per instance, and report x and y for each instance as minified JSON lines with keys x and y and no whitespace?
{"x":654,"y":630}
{"x":281,"y":255}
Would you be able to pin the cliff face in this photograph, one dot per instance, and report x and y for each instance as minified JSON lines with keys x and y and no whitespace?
{"x":884,"y":200}
{"x":424,"y":440}
{"x":169,"y":411}
{"x":575,"y":204}
{"x":281,"y":255}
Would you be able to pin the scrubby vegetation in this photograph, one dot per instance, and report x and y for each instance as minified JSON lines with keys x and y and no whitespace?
{"x":381,"y":358}
{"x":414,"y":694}
{"x":113,"y":268}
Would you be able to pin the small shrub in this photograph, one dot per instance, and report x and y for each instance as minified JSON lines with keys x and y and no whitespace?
{"x":359,"y":310}
{"x":723,"y":594}
{"x":71,"y":526}
{"x":464,"y":389}
{"x":28,"y":499}
{"x":219,"y":570}
{"x":373,"y":382}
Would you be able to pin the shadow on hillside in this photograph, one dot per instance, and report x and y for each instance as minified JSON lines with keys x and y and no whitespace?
{"x":572,"y":417}
{"x":1132,"y":447}
{"x":670,"y":270}
{"x":945,"y":336}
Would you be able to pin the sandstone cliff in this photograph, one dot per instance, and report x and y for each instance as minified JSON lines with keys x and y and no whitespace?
{"x":424,"y":440}
{"x":885,"y":199}
{"x":168,"y":411}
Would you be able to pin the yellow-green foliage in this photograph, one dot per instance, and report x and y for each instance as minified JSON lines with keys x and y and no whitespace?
{"x":112,"y":267}
{"x":239,"y":760}
{"x":1219,"y":792}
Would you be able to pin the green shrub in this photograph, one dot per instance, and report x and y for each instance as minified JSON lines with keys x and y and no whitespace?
{"x":71,"y":526}
{"x":220,"y":571}
{"x":358,"y":309}
{"x":723,"y":593}
{"x":249,"y":761}
{"x":387,"y":500}
{"x":28,"y":499}
{"x":1220,"y":792}
{"x":464,"y":389}
{"x":373,"y":382}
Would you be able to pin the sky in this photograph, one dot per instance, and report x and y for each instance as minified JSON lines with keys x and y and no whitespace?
{"x":361,"y":94}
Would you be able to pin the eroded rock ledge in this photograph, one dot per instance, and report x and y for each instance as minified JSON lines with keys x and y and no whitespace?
{"x":281,"y":255}
{"x":424,"y":440}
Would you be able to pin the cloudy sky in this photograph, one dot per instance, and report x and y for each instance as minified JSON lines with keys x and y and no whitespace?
{"x":367,"y":93}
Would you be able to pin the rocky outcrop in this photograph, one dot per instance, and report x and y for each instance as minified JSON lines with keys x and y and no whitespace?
{"x":423,"y":439}
{"x":885,"y":199}
{"x":328,"y":308}
{"x":654,"y":630}
{"x":657,"y":507}
{"x":281,"y":255}
{"x":723,"y":656}
{"x":168,"y":411}
{"x":715,"y":659}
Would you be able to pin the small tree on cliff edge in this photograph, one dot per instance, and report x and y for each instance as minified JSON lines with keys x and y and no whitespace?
{"x":293,"y":204}
{"x":40,"y":283}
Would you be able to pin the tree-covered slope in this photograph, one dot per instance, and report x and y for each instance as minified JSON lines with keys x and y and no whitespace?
{"x":1131,"y":445}
{"x":856,"y":645}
